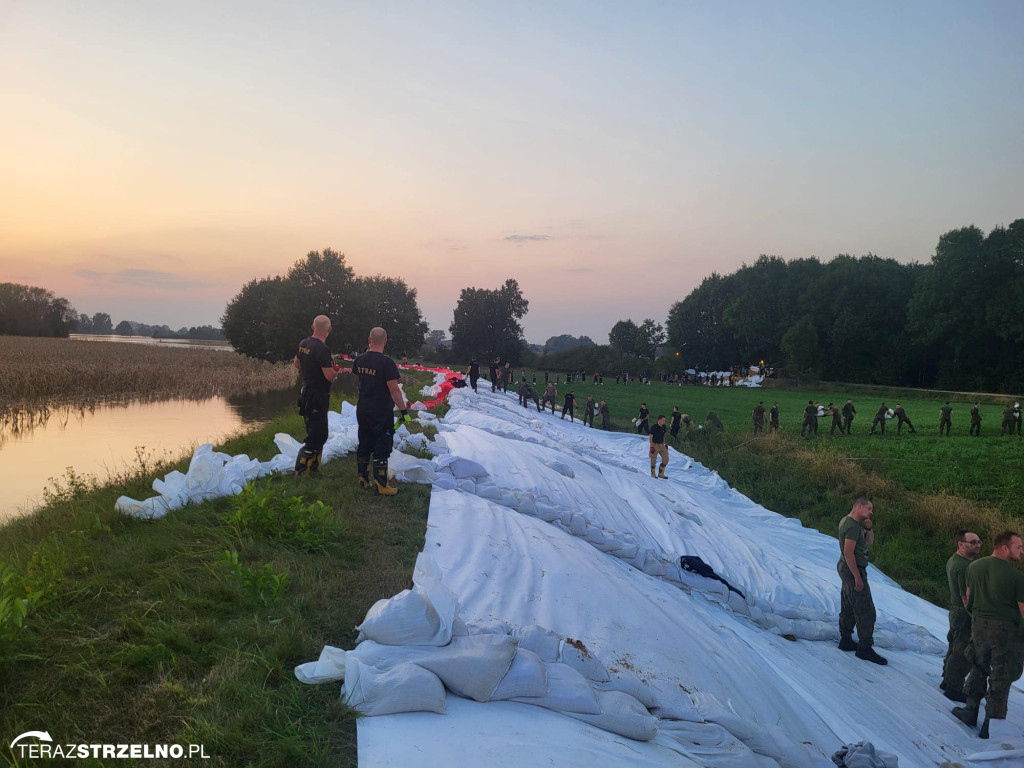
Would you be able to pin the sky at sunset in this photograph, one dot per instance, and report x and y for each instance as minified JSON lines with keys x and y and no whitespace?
{"x":154,"y":157}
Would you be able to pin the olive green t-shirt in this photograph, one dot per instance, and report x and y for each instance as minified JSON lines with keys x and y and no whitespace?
{"x":996,"y":588}
{"x":851,"y":529}
{"x":956,"y":574}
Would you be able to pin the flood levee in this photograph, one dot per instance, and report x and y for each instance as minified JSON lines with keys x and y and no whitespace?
{"x":106,"y":439}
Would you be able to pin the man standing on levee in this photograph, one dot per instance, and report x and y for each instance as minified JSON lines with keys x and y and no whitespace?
{"x":378,"y":396}
{"x":318,"y":372}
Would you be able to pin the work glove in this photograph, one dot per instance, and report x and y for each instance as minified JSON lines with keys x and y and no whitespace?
{"x":402,"y":416}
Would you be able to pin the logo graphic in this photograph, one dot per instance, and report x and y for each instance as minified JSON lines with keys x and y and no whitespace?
{"x":41,"y":735}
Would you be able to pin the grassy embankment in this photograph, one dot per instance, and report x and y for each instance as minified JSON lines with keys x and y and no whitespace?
{"x":925,"y":487}
{"x":148,"y":632}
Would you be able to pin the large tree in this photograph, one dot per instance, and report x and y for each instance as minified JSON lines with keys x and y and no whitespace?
{"x":30,"y":311}
{"x":486,"y":323}
{"x":269,"y":316}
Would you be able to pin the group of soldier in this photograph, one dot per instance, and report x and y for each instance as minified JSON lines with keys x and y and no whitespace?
{"x":842,"y":418}
{"x":985,"y":652}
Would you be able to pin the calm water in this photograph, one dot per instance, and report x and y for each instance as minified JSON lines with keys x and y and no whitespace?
{"x":106,"y":439}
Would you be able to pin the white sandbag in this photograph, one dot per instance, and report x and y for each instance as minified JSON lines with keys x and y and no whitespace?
{"x":578,"y":656}
{"x":625,"y":681}
{"x":427,"y":578}
{"x":526,"y":677}
{"x":568,"y":691}
{"x":403,"y":688}
{"x":417,"y":406}
{"x":329,"y":668}
{"x":150,"y":509}
{"x":623,"y":715}
{"x":709,"y":744}
{"x":287,"y":445}
{"x":408,"y":618}
{"x":541,"y":641}
{"x":470,"y":666}
{"x":561,"y":468}
{"x":464,"y":468}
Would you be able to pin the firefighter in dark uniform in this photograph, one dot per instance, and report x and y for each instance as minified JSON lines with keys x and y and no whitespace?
{"x":643,"y":426}
{"x":378,"y":396}
{"x":318,"y":372}
{"x":474,"y":372}
{"x":880,"y":415}
{"x":773,"y":418}
{"x":569,"y":406}
{"x":677,"y":420}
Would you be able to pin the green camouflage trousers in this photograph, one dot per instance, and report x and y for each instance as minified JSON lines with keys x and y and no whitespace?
{"x":856,"y":608}
{"x":996,"y":653}
{"x":956,"y":666}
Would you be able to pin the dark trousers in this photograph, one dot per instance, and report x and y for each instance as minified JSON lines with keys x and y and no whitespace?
{"x":544,"y":404}
{"x":996,"y":654}
{"x":643,"y":428}
{"x":975,"y":428}
{"x":314,"y":411}
{"x":956,"y":665}
{"x":566,"y":408}
{"x":945,"y":424}
{"x":857,"y":609}
{"x":899,"y":426}
{"x":758,"y":427}
{"x":878,"y":420}
{"x":847,"y":423}
{"x":588,"y":416}
{"x":834,"y":425}
{"x":473,"y":380}
{"x":376,"y":434}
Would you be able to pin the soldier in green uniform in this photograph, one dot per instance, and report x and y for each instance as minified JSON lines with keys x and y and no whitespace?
{"x":550,"y":393}
{"x":995,"y":599}
{"x":901,"y":416}
{"x":606,"y":416}
{"x":956,"y":666}
{"x":879,"y":419}
{"x":713,"y":422}
{"x":848,"y":413}
{"x":588,"y":411}
{"x":945,"y":418}
{"x":856,"y":534}
{"x":1007,"y":425}
{"x":837,"y":419}
{"x":758,"y":415}
{"x":976,"y":420}
{"x":810,"y":418}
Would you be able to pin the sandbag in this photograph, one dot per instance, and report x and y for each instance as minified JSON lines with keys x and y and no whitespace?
{"x":470,"y":666}
{"x":526,"y":677}
{"x":408,"y":618}
{"x":403,"y":688}
{"x":622,"y":714}
{"x":330,"y":667}
{"x":568,"y":691}
{"x":578,"y":656}
{"x":541,"y":641}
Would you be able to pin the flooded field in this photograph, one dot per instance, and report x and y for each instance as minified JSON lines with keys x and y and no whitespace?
{"x":103,"y":439}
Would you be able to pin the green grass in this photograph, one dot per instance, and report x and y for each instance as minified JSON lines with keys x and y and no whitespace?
{"x":148,"y":634}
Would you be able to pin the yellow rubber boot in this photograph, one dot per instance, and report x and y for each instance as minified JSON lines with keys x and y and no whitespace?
{"x":661,"y":472}
{"x":363,"y":470}
{"x":653,"y":473}
{"x":380,"y":480}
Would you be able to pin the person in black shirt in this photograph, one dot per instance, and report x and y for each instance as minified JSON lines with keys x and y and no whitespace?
{"x":378,"y":396}
{"x":677,"y":418}
{"x":773,"y":418}
{"x":658,"y":447}
{"x":318,"y":372}
{"x":569,"y":406}
{"x":643,"y":427}
{"x":474,"y":372}
{"x":848,"y":413}
{"x":758,"y":415}
{"x":495,"y":371}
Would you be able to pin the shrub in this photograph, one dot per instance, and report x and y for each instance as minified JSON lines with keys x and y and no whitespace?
{"x":263,"y":510}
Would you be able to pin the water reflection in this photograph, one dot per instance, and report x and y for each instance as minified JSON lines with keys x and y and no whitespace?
{"x":103,"y":439}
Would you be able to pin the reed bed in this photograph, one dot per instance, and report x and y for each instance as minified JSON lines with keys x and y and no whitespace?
{"x":45,"y":373}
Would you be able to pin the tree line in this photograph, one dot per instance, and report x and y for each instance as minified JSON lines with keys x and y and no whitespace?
{"x":956,"y":322}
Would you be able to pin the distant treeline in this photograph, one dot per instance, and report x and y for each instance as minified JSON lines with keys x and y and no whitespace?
{"x":26,"y":310}
{"x":957,"y":322}
{"x":101,"y":324}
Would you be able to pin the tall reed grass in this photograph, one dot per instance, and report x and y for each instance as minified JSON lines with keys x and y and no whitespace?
{"x":38,"y":373}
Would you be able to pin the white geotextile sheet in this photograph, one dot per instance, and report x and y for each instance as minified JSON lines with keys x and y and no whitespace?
{"x":698,"y":654}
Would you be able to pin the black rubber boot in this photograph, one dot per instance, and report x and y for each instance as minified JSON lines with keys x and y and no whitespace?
{"x":363,"y":470}
{"x":955,"y":696}
{"x":983,"y":733}
{"x":966,"y":715}
{"x":307,"y":462}
{"x":847,"y":643}
{"x":868,"y":654}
